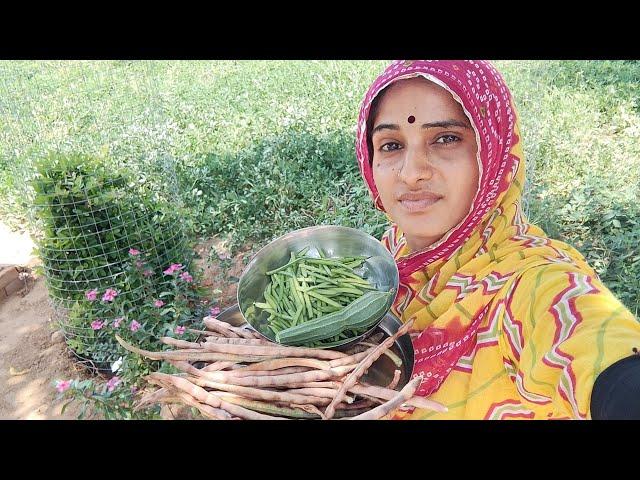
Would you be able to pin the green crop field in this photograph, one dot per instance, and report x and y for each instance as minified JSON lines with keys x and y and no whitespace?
{"x":264,"y":147}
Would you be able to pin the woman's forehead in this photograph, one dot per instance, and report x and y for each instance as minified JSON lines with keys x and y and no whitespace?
{"x":418,"y":96}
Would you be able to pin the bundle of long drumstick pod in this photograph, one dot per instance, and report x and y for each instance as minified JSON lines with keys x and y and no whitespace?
{"x":234,"y":373}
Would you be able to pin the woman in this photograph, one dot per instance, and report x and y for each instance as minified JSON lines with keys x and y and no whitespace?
{"x":507,"y":322}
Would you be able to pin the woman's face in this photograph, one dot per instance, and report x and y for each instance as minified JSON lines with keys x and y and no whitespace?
{"x":424,"y":160}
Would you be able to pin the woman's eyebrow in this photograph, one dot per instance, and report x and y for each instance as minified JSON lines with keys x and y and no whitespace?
{"x":385,"y":126}
{"x":438,"y":124}
{"x":446,"y":124}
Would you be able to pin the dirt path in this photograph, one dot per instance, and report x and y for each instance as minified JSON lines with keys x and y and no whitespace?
{"x":29,"y":361}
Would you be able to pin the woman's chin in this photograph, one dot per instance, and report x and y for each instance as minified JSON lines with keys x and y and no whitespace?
{"x":419,"y":240}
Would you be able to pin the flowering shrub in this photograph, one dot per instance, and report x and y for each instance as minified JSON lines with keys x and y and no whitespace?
{"x":111,"y":400}
{"x":115,"y":398}
{"x":102,"y":315}
{"x":156,"y":303}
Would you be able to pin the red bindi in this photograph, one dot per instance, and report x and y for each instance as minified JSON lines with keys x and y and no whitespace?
{"x":411,"y":119}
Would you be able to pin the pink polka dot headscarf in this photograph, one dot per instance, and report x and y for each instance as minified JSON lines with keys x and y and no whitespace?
{"x":486,"y":100}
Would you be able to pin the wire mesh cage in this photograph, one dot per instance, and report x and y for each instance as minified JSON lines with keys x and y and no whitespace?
{"x":98,"y":180}
{"x":88,"y":223}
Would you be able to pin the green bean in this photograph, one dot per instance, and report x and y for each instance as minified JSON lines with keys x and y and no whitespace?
{"x":328,"y":309}
{"x":287,"y":274}
{"x":278,"y":285}
{"x":298,"y":317}
{"x":284,"y":267}
{"x":307,"y":303}
{"x":367,"y":286}
{"x":270,"y":300}
{"x":324,"y":278}
{"x":283,"y":316}
{"x":303,"y":252}
{"x":343,"y":272}
{"x":299,"y":302}
{"x":325,"y":261}
{"x":306,"y":288}
{"x":354,"y":264}
{"x":339,"y":290}
{"x":289,"y":305}
{"x":274,"y":329}
{"x":342,"y":300}
{"x":291,"y":290}
{"x":274,"y":322}
{"x":324,"y":299}
{"x":310,"y":280}
{"x":353,"y":259}
{"x":310,"y":268}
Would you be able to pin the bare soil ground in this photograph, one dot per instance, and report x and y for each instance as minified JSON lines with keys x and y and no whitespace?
{"x":30,"y":361}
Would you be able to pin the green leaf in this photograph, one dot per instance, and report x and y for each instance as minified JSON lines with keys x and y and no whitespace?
{"x":64,"y":407}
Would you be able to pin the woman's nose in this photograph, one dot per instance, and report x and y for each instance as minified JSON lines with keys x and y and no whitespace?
{"x":415,"y":167}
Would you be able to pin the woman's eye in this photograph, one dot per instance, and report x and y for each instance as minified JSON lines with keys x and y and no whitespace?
{"x":390,"y":146}
{"x":445,"y":139}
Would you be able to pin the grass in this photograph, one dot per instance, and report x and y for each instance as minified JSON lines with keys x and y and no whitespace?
{"x":263,"y":147}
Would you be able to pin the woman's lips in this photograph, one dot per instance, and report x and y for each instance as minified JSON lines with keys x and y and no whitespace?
{"x":418,"y":201}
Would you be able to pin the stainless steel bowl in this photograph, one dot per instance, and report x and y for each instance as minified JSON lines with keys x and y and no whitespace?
{"x":333,"y":241}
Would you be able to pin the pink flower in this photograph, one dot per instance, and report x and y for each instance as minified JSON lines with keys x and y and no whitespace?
{"x":180,"y":330}
{"x":186,"y":276}
{"x":173,"y":268}
{"x":134,"y":326}
{"x":158,"y":303}
{"x":134,"y":389}
{"x":109,"y":295}
{"x":133,"y":252}
{"x":97,"y":324}
{"x":117,"y":322}
{"x":91,"y":295}
{"x":139,"y":263}
{"x":147,"y":273}
{"x":113,"y":383}
{"x":214,"y":311}
{"x":63,"y":385}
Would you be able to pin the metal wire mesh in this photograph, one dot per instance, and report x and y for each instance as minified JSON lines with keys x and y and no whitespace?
{"x":84,"y":230}
{"x":84,"y":239}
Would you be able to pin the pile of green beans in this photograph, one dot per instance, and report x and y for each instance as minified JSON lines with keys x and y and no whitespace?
{"x":307,"y":288}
